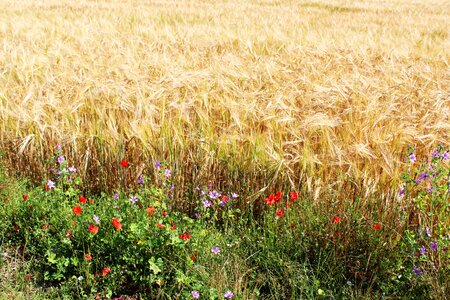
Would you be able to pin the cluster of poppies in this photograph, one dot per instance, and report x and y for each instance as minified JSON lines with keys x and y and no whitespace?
{"x":273,"y":199}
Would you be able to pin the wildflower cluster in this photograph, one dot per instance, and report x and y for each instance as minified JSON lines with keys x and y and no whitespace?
{"x":425,"y":191}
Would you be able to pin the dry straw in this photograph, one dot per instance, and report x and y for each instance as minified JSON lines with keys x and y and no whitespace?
{"x":242,"y":93}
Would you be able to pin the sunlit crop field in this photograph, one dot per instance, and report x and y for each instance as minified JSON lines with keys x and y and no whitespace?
{"x":244,"y":93}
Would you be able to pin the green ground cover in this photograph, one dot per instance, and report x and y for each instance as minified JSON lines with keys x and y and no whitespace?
{"x":59,"y":242}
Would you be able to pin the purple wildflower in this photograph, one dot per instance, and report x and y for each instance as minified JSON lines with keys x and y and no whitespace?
{"x":195,"y":294}
{"x":157,"y":165}
{"x":435,"y":154}
{"x":140,"y":179}
{"x":446,"y":156}
{"x":72,"y":170}
{"x":58,"y":146}
{"x":422,"y":250}
{"x":60,"y":159}
{"x":196,"y":215}
{"x":116,"y":196}
{"x":402,"y":192}
{"x":202,"y":193}
{"x":422,"y":177}
{"x":207,"y":203}
{"x":234,"y":195}
{"x":228,"y":295}
{"x":209,"y":186}
{"x":168,"y":173}
{"x":433,"y":246}
{"x":214,"y":194}
{"x":412,"y":158}
{"x":428,"y":231}
{"x":50,"y":184}
{"x":197,"y":188}
{"x":96,"y":219}
{"x":215,"y":250}
{"x":418,"y":271}
{"x":134,"y":199}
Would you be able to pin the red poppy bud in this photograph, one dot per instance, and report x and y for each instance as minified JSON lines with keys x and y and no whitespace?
{"x":106,"y":271}
{"x":116,"y":223}
{"x":77,"y":210}
{"x":124,"y":163}
{"x":93,"y":229}
{"x":336,"y":219}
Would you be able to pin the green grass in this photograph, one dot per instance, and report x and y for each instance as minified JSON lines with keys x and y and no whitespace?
{"x":295,"y":248}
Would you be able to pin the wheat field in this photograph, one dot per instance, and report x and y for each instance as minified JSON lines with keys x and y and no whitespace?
{"x":241,"y":93}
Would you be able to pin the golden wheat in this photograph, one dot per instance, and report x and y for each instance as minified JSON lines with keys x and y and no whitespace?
{"x":238,"y":92}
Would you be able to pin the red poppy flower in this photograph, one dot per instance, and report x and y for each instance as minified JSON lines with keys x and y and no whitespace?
{"x":5,"y":200}
{"x":91,"y":201}
{"x":273,"y":199}
{"x":225,"y":199}
{"x":278,"y":196}
{"x":116,"y":223}
{"x":164,"y":213}
{"x":160,"y":225}
{"x":47,"y":188}
{"x":93,"y":229}
{"x":185,"y":236}
{"x":88,"y":257}
{"x":106,"y":271}
{"x":124,"y":163}
{"x":44,"y":227}
{"x":336,"y":219}
{"x":25,"y":197}
{"x":377,"y":226}
{"x":81,"y":199}
{"x":194,"y":256}
{"x":270,"y":200}
{"x":173,"y":225}
{"x":293,"y":196}
{"x":280,"y":212}
{"x":150,"y":210}
{"x":77,"y":210}
{"x":68,"y":234}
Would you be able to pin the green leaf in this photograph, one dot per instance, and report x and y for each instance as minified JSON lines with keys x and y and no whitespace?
{"x":51,"y":257}
{"x":78,"y":181}
{"x":153,"y":266}
{"x":75,"y":261}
